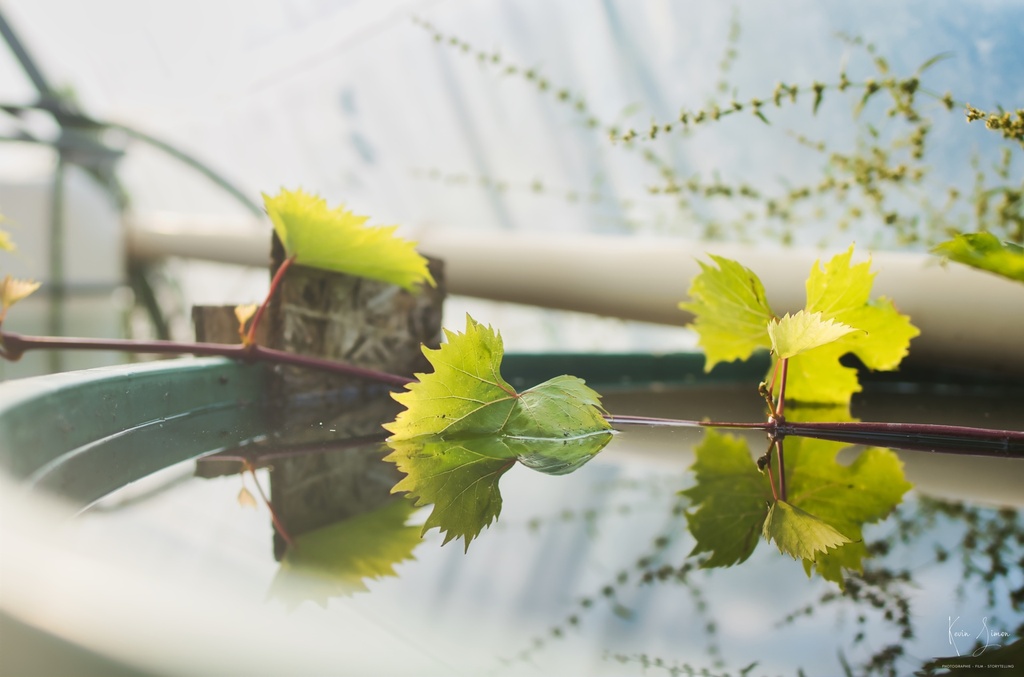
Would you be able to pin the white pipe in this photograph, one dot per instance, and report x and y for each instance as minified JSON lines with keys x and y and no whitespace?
{"x":967,"y":318}
{"x":245,"y":241}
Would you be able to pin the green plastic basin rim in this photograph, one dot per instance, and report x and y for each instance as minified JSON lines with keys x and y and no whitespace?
{"x":46,"y":421}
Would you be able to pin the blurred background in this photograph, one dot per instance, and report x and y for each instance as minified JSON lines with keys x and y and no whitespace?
{"x":139,"y":136}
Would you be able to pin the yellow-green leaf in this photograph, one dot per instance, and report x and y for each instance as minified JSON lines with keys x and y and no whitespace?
{"x":732,"y":501}
{"x":466,"y":395}
{"x":795,"y":334}
{"x":730,"y":311}
{"x":338,"y":240}
{"x":798,"y":533}
{"x":459,"y":476}
{"x":845,"y":496}
{"x":338,"y":559}
{"x":464,"y":426}
{"x":984,"y":251}
{"x":729,"y":500}
{"x":841,"y":292}
{"x":12,"y":291}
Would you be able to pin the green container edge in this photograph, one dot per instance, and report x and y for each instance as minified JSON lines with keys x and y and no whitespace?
{"x":49,"y":421}
{"x":45,"y":419}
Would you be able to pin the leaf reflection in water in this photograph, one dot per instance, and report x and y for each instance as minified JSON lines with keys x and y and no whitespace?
{"x":336,"y":560}
{"x":460,"y":476}
{"x":821,"y":521}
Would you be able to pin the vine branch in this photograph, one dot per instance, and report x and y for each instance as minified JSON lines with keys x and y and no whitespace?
{"x":13,"y":346}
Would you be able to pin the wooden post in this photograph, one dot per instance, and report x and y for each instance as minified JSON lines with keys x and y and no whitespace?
{"x":352,"y":319}
{"x":342,"y":317}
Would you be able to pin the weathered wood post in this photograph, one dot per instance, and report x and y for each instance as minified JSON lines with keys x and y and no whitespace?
{"x":336,"y":316}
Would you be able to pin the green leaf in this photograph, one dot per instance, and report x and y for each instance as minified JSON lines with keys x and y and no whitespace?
{"x":733,"y":502}
{"x":559,"y":408}
{"x":731,"y":498}
{"x":795,"y":334}
{"x":466,"y":395}
{"x":338,"y":240}
{"x":464,"y":426}
{"x":798,"y":533}
{"x":730,"y":311}
{"x":559,"y":456}
{"x":818,"y":377}
{"x":460,"y":476}
{"x":841,"y":292}
{"x":845,"y":497}
{"x":984,"y":251}
{"x":465,"y":392}
{"x":337,"y":559}
{"x":460,"y":479}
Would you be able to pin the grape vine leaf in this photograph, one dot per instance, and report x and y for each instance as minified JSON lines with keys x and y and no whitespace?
{"x":731,"y":496}
{"x":460,"y":479}
{"x":803,"y":331}
{"x":464,"y":426}
{"x":799,"y":533}
{"x":465,"y":394}
{"x":828,"y":502}
{"x":338,"y":240}
{"x":732,"y":319}
{"x":730,"y":311}
{"x":844,"y":496}
{"x":984,"y":251}
{"x":338,"y":559}
{"x":460,"y":476}
{"x":841,"y":292}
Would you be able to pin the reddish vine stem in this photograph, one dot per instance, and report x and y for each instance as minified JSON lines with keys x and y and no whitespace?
{"x":278,"y":526}
{"x":13,"y":345}
{"x":940,"y":438}
{"x":962,"y":440}
{"x":946,"y":439}
{"x":250,"y":338}
{"x":615,"y":419}
{"x":780,"y":405}
{"x":254,"y":456}
{"x":779,"y":419}
{"x":771,"y":388}
{"x":782,"y":464}
{"x":767,"y":458}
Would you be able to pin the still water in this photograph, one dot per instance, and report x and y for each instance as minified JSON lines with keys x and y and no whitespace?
{"x":588,"y":573}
